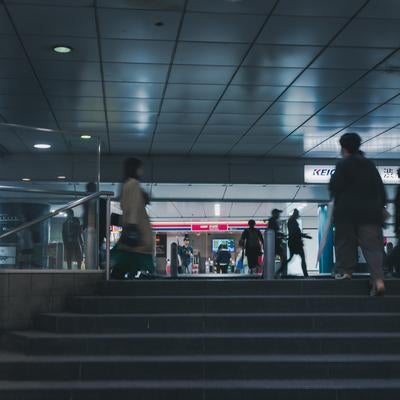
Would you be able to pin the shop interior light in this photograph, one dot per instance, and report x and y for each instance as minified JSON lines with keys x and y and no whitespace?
{"x":86,"y":137}
{"x":26,"y":179}
{"x":61,"y":177}
{"x":217,"y":210}
{"x":42,"y":146}
{"x":62,"y":49}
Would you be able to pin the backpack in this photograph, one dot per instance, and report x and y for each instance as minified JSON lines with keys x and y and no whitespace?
{"x":253,"y":239}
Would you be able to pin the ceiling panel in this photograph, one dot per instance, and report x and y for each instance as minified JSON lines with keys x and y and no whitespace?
{"x":138,"y":24}
{"x":295,"y":107}
{"x":224,"y":130}
{"x":57,"y":21}
{"x":166,"y":5}
{"x":131,"y":117}
{"x":228,"y":7}
{"x":10,"y":47}
{"x":328,"y":78}
{"x":128,"y":72}
{"x":137,"y":90}
{"x":310,"y":94}
{"x":15,"y":69}
{"x":5,"y":25}
{"x":70,"y":70}
{"x":300,"y":30}
{"x":182,"y":118}
{"x":367,"y":95}
{"x":253,"y":93}
{"x":209,"y":53}
{"x":131,"y":104}
{"x":201,"y":92}
{"x":136,"y":51}
{"x":241,"y":107}
{"x":232,"y":119}
{"x":381,"y":9}
{"x":351,"y":58}
{"x":265,"y":76}
{"x":281,"y":56}
{"x":370,"y":33}
{"x":201,"y":74}
{"x":131,"y":128}
{"x":77,"y":103}
{"x":80,"y":116}
{"x":178,"y":129}
{"x":190,"y":106}
{"x":72,"y":88}
{"x":320,"y":8}
{"x":245,"y":210}
{"x":220,"y":28}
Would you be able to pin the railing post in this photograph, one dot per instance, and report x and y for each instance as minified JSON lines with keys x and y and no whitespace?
{"x":269,"y":254}
{"x":174,"y":260}
{"x":108,"y":223}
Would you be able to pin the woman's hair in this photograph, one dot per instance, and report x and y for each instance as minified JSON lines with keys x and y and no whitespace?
{"x":131,"y":167}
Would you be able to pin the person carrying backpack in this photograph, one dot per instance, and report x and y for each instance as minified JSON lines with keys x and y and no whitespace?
{"x":253,"y":245}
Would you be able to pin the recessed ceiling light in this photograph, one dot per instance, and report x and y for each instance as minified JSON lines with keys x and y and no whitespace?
{"x":86,"y":137}
{"x":42,"y":146}
{"x":61,"y":177}
{"x":26,"y":179}
{"x":62,"y":49}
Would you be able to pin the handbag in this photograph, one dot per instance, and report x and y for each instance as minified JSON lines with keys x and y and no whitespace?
{"x":130,"y":235}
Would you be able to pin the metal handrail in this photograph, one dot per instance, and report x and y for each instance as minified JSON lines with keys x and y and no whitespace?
{"x":51,"y":214}
{"x":5,"y":188}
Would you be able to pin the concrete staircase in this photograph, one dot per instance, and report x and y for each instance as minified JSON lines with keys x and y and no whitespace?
{"x":215,"y":339}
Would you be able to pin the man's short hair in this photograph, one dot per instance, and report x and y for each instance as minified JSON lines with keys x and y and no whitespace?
{"x":351,"y":142}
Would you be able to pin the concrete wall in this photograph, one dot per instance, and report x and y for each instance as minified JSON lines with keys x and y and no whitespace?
{"x":24,"y":295}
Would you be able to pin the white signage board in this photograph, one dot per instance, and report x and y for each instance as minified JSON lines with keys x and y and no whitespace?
{"x":323,"y":173}
{"x":318,"y":173}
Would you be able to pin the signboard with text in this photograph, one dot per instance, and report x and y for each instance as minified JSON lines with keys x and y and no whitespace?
{"x":323,"y":173}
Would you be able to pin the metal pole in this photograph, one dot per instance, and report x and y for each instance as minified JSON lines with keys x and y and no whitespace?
{"x":269,"y":254}
{"x":108,"y":222}
{"x":98,"y":163}
{"x":174,"y":260}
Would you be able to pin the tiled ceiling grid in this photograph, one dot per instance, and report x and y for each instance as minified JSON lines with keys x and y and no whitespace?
{"x":217,"y":77}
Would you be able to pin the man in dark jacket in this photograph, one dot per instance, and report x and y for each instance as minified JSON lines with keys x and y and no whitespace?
{"x":359,"y":201}
{"x":253,"y":244}
{"x":397,"y":210}
{"x":295,"y":241}
{"x":274,"y":223}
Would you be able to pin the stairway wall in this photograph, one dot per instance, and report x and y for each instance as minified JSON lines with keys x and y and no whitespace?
{"x":25,"y":295}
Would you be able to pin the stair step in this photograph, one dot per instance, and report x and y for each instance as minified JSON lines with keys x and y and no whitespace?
{"x":242,"y":287}
{"x":231,"y":322}
{"x":327,"y":389}
{"x":233,"y":303}
{"x":212,"y":367}
{"x":206,"y":343}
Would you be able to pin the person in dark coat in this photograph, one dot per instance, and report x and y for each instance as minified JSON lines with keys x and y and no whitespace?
{"x":253,"y":244}
{"x":274,"y":223}
{"x":397,"y":210}
{"x":295,"y":241}
{"x":359,"y":201}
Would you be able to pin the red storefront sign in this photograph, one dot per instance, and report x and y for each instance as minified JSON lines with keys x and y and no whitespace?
{"x":209,"y":227}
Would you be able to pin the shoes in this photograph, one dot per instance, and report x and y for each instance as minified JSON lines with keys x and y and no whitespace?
{"x":378,"y":288}
{"x":342,"y":276}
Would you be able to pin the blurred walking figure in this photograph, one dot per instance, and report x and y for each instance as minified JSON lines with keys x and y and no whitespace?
{"x":133,"y":253}
{"x":359,"y":201}
{"x":72,"y":238}
{"x":274,"y":223}
{"x":253,"y":242}
{"x":186,"y":255}
{"x":295,"y":241}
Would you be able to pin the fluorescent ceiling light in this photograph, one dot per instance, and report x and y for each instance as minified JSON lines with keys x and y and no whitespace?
{"x":61,"y":177}
{"x":26,"y":179}
{"x":86,"y":137}
{"x":42,"y":146}
{"x":217,"y":210}
{"x":62,"y":49}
